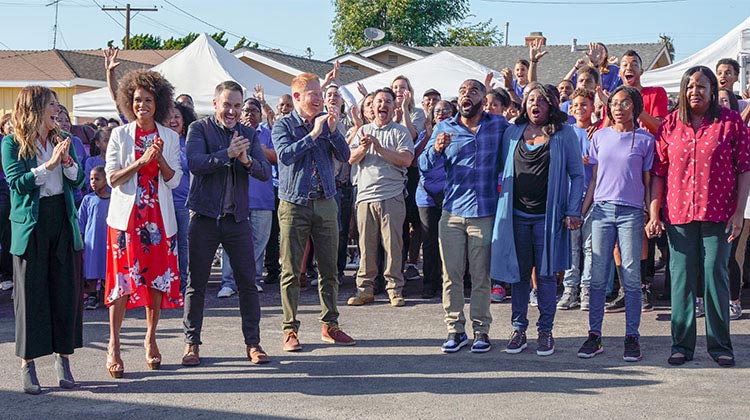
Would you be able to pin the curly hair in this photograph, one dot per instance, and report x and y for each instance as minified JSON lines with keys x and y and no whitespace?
{"x":188,"y":116}
{"x":555,"y":117}
{"x":152,"y":82}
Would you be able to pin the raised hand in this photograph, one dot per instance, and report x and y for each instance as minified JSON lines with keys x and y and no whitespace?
{"x":110,"y":57}
{"x":259,"y":93}
{"x":535,"y":50}
{"x":354,"y":113}
{"x":595,"y":53}
{"x":613,"y":60}
{"x":442,"y":142}
{"x":333,"y":119}
{"x":507,"y":78}
{"x":361,"y":89}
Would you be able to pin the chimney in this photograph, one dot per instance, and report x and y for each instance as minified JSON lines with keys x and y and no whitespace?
{"x":574,"y":45}
{"x":534,"y":36}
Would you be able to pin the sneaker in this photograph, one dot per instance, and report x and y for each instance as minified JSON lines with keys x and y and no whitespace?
{"x":258,"y":287}
{"x":90,"y":302}
{"x":498,"y":294}
{"x":700,"y":310}
{"x":584,"y":298}
{"x":617,"y":305}
{"x":291,"y":341}
{"x":314,"y":282}
{"x":646,"y":305}
{"x":225,"y":292}
{"x":6,"y":285}
{"x":411,"y":272}
{"x":517,"y":342}
{"x":333,"y":334}
{"x":396,"y":298}
{"x":591,"y":347}
{"x":455,"y":342}
{"x":569,"y":299}
{"x":545,"y":343}
{"x":632,"y":351}
{"x":481,"y":343}
{"x":533,"y":298}
{"x":735,"y":310}
{"x":360,"y":299}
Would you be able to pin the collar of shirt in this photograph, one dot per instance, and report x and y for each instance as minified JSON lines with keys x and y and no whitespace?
{"x":227,"y":130}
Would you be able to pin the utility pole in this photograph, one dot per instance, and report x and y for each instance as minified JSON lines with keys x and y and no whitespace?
{"x":57,"y":7}
{"x":127,"y":9}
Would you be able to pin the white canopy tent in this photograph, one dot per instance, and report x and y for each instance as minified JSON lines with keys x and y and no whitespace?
{"x":196,"y":70}
{"x":443,"y":71}
{"x":728,"y":46}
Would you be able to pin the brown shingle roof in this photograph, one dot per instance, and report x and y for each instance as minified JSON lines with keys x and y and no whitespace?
{"x":152,"y":57}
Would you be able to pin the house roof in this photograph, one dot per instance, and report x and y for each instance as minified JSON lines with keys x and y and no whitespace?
{"x":152,"y":57}
{"x":303,"y":64}
{"x":58,"y":67}
{"x":555,"y":65}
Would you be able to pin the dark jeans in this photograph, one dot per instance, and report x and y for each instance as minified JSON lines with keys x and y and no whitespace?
{"x":432,"y":264}
{"x":529,"y":237}
{"x":345,"y":200}
{"x":271,"y":261}
{"x":412,"y":241}
{"x":204,"y":236}
{"x":6,"y":260}
{"x":738,"y":263}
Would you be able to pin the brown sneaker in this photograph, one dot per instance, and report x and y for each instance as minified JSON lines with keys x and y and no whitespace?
{"x":291,"y":342}
{"x":333,"y":334}
{"x":191,"y":356}
{"x":360,"y":299}
{"x":256,"y":354}
{"x":396,"y":299}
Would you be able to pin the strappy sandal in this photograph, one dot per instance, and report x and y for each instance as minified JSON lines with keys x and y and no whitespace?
{"x":153,"y":361}
{"x":115,"y":367}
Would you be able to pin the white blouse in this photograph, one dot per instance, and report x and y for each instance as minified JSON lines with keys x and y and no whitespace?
{"x":51,"y":182}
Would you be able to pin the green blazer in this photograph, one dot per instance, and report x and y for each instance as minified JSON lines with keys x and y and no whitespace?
{"x":24,"y":196}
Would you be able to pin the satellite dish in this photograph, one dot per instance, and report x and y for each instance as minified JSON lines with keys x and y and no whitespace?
{"x":374,"y":34}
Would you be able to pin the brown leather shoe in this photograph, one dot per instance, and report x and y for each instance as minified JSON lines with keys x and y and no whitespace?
{"x":333,"y":334}
{"x":256,"y":355}
{"x":191,"y":356}
{"x":291,"y":342}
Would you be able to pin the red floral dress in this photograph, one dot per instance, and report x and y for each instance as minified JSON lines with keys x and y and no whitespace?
{"x":142,"y":257}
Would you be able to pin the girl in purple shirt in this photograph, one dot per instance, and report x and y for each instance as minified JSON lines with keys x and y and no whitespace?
{"x":622,"y":156}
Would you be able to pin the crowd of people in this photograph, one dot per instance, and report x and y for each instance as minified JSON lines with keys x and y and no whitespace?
{"x":523,"y":188}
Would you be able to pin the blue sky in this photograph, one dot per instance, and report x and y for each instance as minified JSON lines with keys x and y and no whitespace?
{"x":294,"y":25}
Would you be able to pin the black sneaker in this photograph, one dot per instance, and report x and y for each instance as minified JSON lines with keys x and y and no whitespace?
{"x":617,"y":305}
{"x":632,"y":351}
{"x":646,"y":305}
{"x":517,"y":342}
{"x":591,"y":347}
{"x":545,"y":343}
{"x":455,"y":342}
{"x":481,"y":343}
{"x":90,"y":302}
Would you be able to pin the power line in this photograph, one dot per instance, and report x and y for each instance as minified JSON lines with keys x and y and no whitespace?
{"x":109,"y":16}
{"x":127,"y":10}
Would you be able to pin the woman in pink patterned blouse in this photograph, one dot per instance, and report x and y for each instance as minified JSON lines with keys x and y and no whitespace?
{"x":700,"y":168}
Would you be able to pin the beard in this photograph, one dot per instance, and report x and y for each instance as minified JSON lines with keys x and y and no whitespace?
{"x":472,"y":112}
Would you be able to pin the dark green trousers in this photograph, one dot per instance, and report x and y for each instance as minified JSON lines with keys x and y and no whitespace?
{"x":700,"y":247}
{"x":48,"y":300}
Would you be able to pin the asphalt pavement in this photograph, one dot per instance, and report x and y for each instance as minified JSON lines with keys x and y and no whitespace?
{"x":396,"y":370}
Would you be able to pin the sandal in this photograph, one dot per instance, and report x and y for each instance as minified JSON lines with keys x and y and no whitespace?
{"x":115,"y":367}
{"x":677,"y":359}
{"x":153,"y":360}
{"x":725,"y":361}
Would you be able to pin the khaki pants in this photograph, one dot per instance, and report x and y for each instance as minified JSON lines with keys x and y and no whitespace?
{"x":319,"y":220}
{"x":461,"y":238}
{"x":381,"y":222}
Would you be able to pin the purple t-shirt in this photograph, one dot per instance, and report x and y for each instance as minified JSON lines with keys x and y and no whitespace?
{"x":621,"y":158}
{"x":261,"y":192}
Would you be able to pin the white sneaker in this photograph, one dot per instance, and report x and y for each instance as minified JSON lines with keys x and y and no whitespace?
{"x":6,"y":285}
{"x":225,"y":292}
{"x":258,"y":286}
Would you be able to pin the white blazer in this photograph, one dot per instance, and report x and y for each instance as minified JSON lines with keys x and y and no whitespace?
{"x":120,"y":154}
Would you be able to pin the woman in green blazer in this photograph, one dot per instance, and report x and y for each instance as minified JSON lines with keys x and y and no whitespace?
{"x":42,"y":171}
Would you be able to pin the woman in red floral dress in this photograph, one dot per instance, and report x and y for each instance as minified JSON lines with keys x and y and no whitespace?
{"x":143,"y":165}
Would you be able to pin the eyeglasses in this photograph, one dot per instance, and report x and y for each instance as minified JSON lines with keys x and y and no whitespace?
{"x":624,"y":105}
{"x":442,"y":111}
{"x":251,"y":111}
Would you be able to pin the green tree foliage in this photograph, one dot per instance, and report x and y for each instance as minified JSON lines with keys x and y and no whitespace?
{"x":244,"y":42}
{"x":669,"y":42}
{"x":152,"y":42}
{"x":410,"y":22}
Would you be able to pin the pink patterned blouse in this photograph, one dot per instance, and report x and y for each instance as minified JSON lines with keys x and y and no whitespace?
{"x":701,"y":167}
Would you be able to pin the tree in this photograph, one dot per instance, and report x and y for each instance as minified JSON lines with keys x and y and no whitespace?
{"x":244,"y":42}
{"x":143,"y":42}
{"x":409,"y":22}
{"x":219,"y":37}
{"x":179,"y":43}
{"x":153,"y":42}
{"x":669,"y":43}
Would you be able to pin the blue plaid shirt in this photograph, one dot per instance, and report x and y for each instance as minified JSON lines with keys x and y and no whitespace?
{"x":472,"y":163}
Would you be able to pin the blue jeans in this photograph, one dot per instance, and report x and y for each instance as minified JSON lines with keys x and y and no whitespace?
{"x":529,"y":238}
{"x":613,"y":222}
{"x":182,"y":214}
{"x":580,"y":240}
{"x":260,"y":220}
